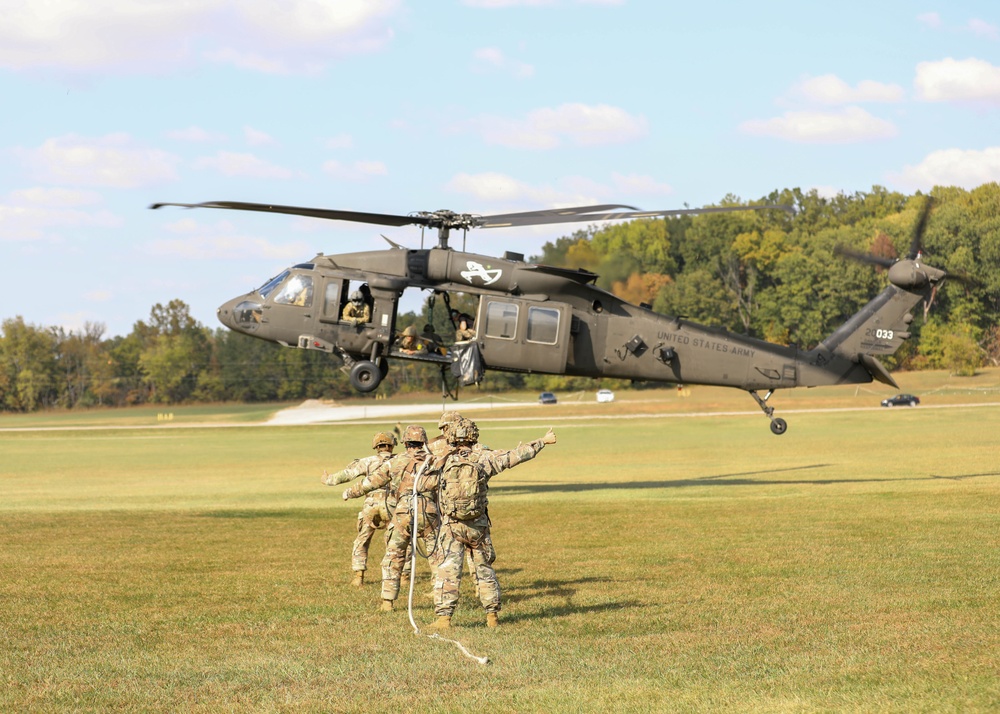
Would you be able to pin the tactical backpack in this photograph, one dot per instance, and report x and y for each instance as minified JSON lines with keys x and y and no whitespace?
{"x":463,"y":496}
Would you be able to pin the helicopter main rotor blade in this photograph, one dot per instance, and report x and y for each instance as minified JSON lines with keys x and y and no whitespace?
{"x":571,"y":211}
{"x":536,"y":218}
{"x":917,"y":242}
{"x":382,"y":219}
{"x":864,"y":257}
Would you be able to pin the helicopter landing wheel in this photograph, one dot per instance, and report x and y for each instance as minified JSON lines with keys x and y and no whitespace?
{"x":365,"y":376}
{"x":779,"y":426}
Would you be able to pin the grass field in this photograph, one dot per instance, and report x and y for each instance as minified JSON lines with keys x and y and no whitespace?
{"x":648,"y":564}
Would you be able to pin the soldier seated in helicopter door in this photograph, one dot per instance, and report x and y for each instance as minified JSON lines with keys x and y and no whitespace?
{"x":356,"y":311}
{"x":297,"y":291}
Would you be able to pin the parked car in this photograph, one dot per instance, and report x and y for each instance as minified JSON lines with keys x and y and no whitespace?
{"x":546,"y":398}
{"x":605,"y":395}
{"x":901,"y":400}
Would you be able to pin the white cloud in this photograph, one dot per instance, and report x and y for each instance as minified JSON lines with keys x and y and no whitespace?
{"x":255,"y":137}
{"x":195,"y":135}
{"x":220,"y":240}
{"x":115,"y":160}
{"x":492,"y":58}
{"x":957,"y":80}
{"x":547,"y":128}
{"x":830,"y":89}
{"x":84,"y":36}
{"x":40,"y":213}
{"x":355,"y":171}
{"x":230,"y":163}
{"x":510,"y":194}
{"x":495,"y":4}
{"x":981,"y":28}
{"x":850,"y":125}
{"x":340,"y":141}
{"x":930,"y":19}
{"x":952,"y":167}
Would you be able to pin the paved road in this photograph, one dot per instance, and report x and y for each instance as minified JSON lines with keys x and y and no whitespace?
{"x":313,"y":413}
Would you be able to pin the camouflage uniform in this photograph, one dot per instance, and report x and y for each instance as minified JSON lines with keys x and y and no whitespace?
{"x":456,"y":535}
{"x":374,"y":514}
{"x":399,"y":476}
{"x":440,"y":447}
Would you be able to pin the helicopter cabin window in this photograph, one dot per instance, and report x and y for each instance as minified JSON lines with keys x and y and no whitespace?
{"x":501,"y":319}
{"x":297,"y":291}
{"x":268,"y":287}
{"x":543,"y":325}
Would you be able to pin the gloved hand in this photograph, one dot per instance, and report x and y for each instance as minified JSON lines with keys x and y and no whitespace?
{"x":550,"y":437}
{"x":347,"y":494}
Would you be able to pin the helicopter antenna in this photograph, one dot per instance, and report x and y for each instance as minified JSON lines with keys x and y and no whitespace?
{"x":422,"y":237}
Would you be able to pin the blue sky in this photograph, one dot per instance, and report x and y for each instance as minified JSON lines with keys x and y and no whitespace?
{"x":482,"y":106}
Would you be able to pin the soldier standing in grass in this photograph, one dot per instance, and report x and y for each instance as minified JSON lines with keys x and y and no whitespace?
{"x":399,"y":476}
{"x":374,"y":515}
{"x":439,"y":446}
{"x":465,"y":520}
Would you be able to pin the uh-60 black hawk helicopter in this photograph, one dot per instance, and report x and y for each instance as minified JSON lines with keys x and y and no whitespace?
{"x":544,"y":319}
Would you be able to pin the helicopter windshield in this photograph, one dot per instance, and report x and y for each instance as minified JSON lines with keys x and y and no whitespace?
{"x":268,"y":287}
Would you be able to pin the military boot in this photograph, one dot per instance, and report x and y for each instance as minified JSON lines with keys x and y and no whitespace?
{"x":442,"y":623}
{"x":359,"y":578}
{"x":492,"y":619}
{"x":386,"y":606}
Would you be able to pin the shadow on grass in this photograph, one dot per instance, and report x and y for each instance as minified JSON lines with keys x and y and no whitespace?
{"x":733,"y":479}
{"x":545,"y":588}
{"x":566,"y":589}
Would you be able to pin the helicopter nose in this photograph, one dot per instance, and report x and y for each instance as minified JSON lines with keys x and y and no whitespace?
{"x":242,"y":314}
{"x":225,"y":313}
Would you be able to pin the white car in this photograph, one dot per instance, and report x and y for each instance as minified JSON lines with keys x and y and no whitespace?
{"x":605,"y":395}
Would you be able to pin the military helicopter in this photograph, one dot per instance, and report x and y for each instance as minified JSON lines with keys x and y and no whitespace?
{"x":550,"y":320}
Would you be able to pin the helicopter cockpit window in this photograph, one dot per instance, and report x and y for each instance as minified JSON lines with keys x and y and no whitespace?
{"x":543,"y":325}
{"x":501,"y":319}
{"x":268,"y":287}
{"x":297,"y":291}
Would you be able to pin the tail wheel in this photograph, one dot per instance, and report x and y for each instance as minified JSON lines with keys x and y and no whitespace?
{"x":365,"y":376}
{"x":778,"y":426}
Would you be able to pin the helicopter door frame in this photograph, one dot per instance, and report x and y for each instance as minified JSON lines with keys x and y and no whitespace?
{"x":524,"y":335}
{"x":330,"y":310}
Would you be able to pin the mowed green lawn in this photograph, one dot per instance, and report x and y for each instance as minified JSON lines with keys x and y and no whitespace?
{"x":652,"y":564}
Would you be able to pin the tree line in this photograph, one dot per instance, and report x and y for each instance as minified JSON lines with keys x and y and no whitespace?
{"x":769,"y":274}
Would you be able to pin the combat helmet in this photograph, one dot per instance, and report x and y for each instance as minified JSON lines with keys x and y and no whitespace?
{"x":383,"y":438}
{"x":463,"y":431}
{"x":356,"y":297}
{"x":448,"y":418}
{"x":415,"y":433}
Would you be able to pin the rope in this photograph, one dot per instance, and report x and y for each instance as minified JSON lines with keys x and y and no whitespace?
{"x":413,"y":572}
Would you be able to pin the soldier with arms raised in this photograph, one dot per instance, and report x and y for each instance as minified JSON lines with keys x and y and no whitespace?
{"x":465,"y":521}
{"x":373,"y":515}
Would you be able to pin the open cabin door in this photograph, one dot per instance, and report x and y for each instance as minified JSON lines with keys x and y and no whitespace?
{"x":524,"y":335}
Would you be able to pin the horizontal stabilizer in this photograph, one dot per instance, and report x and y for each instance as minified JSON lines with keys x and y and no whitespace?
{"x":878,"y":372}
